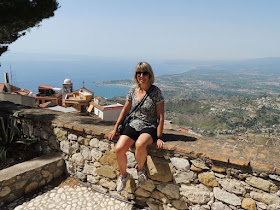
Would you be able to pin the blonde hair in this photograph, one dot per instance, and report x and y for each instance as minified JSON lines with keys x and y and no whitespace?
{"x":145,"y":67}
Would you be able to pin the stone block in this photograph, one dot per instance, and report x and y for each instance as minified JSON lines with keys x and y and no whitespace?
{"x":106,"y":171}
{"x":143,"y":193}
{"x":262,"y":184}
{"x":197,"y":194}
{"x":109,"y":158}
{"x":60,"y":134}
{"x":149,"y":186}
{"x":180,"y":163}
{"x":158,"y":169}
{"x":234,"y":186}
{"x":265,"y":197}
{"x":160,"y":196}
{"x":171,"y":190}
{"x":249,"y":204}
{"x":208,"y":179}
{"x":179,"y":204}
{"x":32,"y":186}
{"x":5,"y":191}
{"x":184,"y":177}
{"x":226,"y":197}
{"x":219,"y":169}
{"x":85,"y":151}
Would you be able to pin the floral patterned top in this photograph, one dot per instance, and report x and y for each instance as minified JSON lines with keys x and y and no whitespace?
{"x":146,"y":115}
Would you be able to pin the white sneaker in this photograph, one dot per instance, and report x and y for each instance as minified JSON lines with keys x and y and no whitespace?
{"x":122,"y":181}
{"x":142,"y":178}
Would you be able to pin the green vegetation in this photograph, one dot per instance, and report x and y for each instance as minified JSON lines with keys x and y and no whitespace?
{"x":10,"y":134}
{"x":17,"y":16}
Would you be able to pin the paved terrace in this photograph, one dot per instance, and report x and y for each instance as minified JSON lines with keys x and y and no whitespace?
{"x":257,"y":158}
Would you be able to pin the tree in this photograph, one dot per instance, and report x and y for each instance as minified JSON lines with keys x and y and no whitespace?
{"x":17,"y":16}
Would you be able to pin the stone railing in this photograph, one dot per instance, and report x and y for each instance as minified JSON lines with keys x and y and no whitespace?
{"x":28,"y":176}
{"x":189,"y":173}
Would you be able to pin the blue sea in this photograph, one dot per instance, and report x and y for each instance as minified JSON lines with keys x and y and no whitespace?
{"x":30,"y":72}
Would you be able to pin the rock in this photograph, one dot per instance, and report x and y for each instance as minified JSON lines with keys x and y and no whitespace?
{"x":65,"y":147}
{"x":265,"y":197}
{"x":108,"y":184}
{"x":81,"y":176}
{"x":274,"y":177}
{"x":60,"y":134}
{"x":78,"y":159}
{"x":92,"y":179}
{"x":85,"y":152}
{"x":103,"y":146}
{"x":158,"y":169}
{"x":143,"y":193}
{"x":107,"y":171}
{"x":171,"y":190}
{"x":72,"y":137}
{"x":208,"y":179}
{"x":109,"y":158}
{"x":219,"y":206}
{"x":193,"y":168}
{"x":32,"y":186}
{"x":5,"y":191}
{"x":130,"y":186}
{"x":131,"y":161}
{"x":198,"y":194}
{"x":60,"y":163}
{"x":57,"y":173}
{"x":89,"y":169}
{"x":69,"y":167}
{"x":154,"y":206}
{"x":234,"y":186}
{"x":199,"y":164}
{"x":133,"y":172}
{"x":160,"y":196}
{"x":226,"y":197}
{"x":149,"y":186}
{"x":8,"y":182}
{"x":81,"y":140}
{"x":95,"y":154}
{"x":184,"y":177}
{"x":180,"y":163}
{"x":75,"y":147}
{"x":94,"y":142}
{"x":262,"y":184}
{"x":219,"y":169}
{"x":249,"y":203}
{"x":19,"y":185}
{"x":179,"y":204}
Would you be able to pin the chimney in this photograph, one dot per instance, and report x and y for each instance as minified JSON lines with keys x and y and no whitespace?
{"x":6,"y":78}
{"x":7,"y":84}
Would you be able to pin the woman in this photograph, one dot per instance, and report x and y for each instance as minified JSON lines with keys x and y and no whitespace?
{"x":146,"y":126}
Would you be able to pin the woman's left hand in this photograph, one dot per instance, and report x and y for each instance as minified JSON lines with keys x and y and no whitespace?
{"x":160,"y":143}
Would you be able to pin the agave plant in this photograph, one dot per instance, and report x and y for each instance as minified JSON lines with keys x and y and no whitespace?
{"x":10,"y":134}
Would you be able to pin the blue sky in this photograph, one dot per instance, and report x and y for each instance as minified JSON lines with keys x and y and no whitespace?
{"x":156,"y":29}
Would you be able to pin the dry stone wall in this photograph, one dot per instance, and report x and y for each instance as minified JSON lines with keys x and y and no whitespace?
{"x":203,"y":174}
{"x":176,"y":180}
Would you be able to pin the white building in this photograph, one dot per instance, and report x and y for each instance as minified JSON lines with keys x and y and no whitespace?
{"x":104,"y":109}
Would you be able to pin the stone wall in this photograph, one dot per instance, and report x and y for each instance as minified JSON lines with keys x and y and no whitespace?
{"x":28,"y":176}
{"x":189,"y":173}
{"x":176,"y":180}
{"x":18,"y":99}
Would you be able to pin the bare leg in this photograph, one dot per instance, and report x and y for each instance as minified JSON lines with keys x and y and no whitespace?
{"x":141,"y":153}
{"x":121,"y":148}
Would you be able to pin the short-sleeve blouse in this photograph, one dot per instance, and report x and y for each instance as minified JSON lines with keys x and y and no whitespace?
{"x":146,"y":115}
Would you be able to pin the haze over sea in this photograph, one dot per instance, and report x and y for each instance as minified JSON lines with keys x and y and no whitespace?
{"x":34,"y":70}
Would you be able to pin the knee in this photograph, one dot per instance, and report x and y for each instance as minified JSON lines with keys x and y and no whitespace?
{"x":119,"y":149}
{"x":139,"y":145}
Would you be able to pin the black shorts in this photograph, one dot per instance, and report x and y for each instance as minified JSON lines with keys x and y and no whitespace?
{"x":133,"y":134}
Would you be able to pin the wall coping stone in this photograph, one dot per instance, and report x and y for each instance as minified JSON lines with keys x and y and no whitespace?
{"x":228,"y":151}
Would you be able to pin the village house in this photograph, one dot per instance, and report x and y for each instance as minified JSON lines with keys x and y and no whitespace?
{"x":48,"y":96}
{"x":79,"y":99}
{"x":105,"y":109}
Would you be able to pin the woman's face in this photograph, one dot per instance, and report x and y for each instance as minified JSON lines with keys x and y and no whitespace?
{"x":142,"y":77}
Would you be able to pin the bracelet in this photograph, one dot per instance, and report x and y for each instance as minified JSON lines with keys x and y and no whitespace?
{"x":160,"y":137}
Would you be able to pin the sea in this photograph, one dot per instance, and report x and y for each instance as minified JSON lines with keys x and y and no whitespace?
{"x":30,"y":72}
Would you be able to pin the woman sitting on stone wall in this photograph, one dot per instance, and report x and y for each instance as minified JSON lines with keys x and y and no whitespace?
{"x":146,"y":125}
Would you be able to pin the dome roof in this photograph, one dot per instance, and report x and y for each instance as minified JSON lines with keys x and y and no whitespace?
{"x":67,"y":81}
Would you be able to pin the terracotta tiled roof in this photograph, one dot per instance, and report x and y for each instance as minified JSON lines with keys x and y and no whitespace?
{"x":45,"y":87}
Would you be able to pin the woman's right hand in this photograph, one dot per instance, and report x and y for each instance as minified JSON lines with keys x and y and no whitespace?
{"x":112,"y":134}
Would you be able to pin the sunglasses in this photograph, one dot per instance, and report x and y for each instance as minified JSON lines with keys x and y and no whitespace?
{"x":145,"y":73}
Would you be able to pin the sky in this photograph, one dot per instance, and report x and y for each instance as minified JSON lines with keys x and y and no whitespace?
{"x":156,"y":29}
